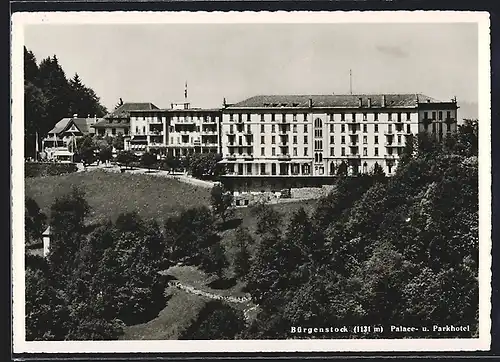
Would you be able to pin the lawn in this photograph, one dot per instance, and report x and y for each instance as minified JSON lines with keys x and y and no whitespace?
{"x":110,"y":194}
{"x":181,"y":311}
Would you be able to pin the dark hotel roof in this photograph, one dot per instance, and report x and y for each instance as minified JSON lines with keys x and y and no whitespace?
{"x":333,"y":100}
{"x":124,"y":110}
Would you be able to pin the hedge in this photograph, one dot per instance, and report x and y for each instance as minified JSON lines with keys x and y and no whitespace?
{"x":39,"y":169}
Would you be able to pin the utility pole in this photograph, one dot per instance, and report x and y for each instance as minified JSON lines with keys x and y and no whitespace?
{"x":350,"y":81}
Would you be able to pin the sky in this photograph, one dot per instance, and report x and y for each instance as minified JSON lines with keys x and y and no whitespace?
{"x":152,"y":62}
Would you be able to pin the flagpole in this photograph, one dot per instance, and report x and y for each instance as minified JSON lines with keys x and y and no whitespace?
{"x":36,"y":146}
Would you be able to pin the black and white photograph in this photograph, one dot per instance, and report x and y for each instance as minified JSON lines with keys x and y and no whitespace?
{"x":256,"y":182}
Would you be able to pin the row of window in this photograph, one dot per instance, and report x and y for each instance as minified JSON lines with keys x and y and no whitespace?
{"x":295,"y":152}
{"x":318,"y":132}
{"x":114,"y":132}
{"x":439,"y":115}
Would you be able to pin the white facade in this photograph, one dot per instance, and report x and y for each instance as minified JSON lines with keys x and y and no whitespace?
{"x":315,"y":140}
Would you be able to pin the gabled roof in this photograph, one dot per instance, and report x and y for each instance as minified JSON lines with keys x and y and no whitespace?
{"x":332,"y":100}
{"x":124,"y":110}
{"x":112,"y":122}
{"x":83,"y":124}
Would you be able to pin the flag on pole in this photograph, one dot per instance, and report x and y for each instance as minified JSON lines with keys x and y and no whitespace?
{"x":36,"y":142}
{"x":186,"y":90}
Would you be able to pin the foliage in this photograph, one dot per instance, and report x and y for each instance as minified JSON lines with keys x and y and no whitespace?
{"x":125,"y":158}
{"x":38,"y":169}
{"x":216,"y":321}
{"x":222,"y":202}
{"x":214,"y":261}
{"x":86,"y":150}
{"x":105,"y":154}
{"x":242,"y":240}
{"x":400,"y":250}
{"x":49,"y":97}
{"x":34,"y":221}
{"x":118,"y":142}
{"x":205,"y":164}
{"x":148,"y":160}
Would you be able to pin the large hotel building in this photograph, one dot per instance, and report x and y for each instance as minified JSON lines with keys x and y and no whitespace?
{"x":308,"y":137}
{"x":178,"y":131}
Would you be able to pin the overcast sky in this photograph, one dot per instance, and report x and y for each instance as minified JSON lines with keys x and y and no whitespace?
{"x":151,"y":63}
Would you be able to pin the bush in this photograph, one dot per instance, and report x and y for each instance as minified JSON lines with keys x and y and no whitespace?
{"x":39,"y":169}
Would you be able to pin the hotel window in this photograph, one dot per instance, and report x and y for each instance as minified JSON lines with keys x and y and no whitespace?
{"x":273,"y":168}
{"x":295,"y":151}
{"x":376,"y":151}
{"x":365,"y":128}
{"x":426,"y":115}
{"x":273,"y":129}
{"x":375,"y":117}
{"x":262,"y":139}
{"x":273,"y":117}
{"x":249,"y":168}
{"x":389,"y":116}
{"x":447,"y":127}
{"x":262,"y":128}
{"x":408,"y":117}
{"x":332,"y":139}
{"x":354,"y":117}
{"x":331,"y":128}
{"x":231,"y":129}
{"x":305,"y":117}
{"x":376,"y":140}
{"x":342,"y":117}
{"x":249,"y":118}
{"x":262,"y":151}
{"x":126,"y":132}
{"x":399,"y":138}
{"x":332,"y":151}
{"x":440,"y":115}
{"x":171,"y":140}
{"x":365,"y":151}
{"x":240,"y":140}
{"x":408,"y":128}
{"x":305,"y":128}
{"x":305,"y":140}
{"x":137,"y":129}
{"x":342,"y":151}
{"x":294,"y":140}
{"x":399,"y":117}
{"x":342,"y":140}
{"x":295,"y":117}
{"x":273,"y":151}
{"x":376,"y":127}
{"x":231,"y":117}
{"x":262,"y":117}
{"x":113,"y":131}
{"x":433,"y":115}
{"x":305,"y":151}
{"x":262,"y":168}
{"x":342,"y":128}
{"x":331,"y":117}
{"x":433,"y":128}
{"x":273,"y":140}
{"x":365,"y":140}
{"x":144,"y":129}
{"x":294,"y":128}
{"x":365,"y":118}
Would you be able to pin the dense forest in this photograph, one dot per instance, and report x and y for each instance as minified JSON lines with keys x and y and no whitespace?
{"x":49,"y":96}
{"x":377,"y":250}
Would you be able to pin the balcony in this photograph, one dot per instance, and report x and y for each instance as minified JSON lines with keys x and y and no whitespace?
{"x":353,"y":144}
{"x":208,"y":132}
{"x":230,"y":133}
{"x":450,"y":120}
{"x":353,"y":156}
{"x":208,"y":144}
{"x":389,"y":132}
{"x":231,"y":157}
{"x":247,"y":157}
{"x":284,"y":157}
{"x":208,"y":120}
{"x":183,"y":121}
{"x":248,"y":132}
{"x":156,"y":133}
{"x":390,"y":157}
{"x":394,"y":145}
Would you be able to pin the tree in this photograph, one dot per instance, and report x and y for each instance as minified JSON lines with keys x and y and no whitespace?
{"x":222,"y":202}
{"x":217,"y":321}
{"x":86,"y":149}
{"x":105,"y":154}
{"x":34,"y":221}
{"x":241,"y":241}
{"x":125,"y":158}
{"x":118,"y":142}
{"x":148,"y":160}
{"x":342,"y":169}
{"x":119,"y":104}
{"x":204,"y":164}
{"x":215,"y":260}
{"x":378,"y":173}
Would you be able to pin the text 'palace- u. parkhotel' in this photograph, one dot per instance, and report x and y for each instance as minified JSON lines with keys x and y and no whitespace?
{"x":301,"y":137}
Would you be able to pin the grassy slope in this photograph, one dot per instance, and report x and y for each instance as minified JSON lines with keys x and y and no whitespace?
{"x":181,"y":311}
{"x":109,"y":194}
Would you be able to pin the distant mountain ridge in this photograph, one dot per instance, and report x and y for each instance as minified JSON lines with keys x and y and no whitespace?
{"x":467,"y":110}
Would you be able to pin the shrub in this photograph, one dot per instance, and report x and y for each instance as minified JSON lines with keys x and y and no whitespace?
{"x":39,"y":169}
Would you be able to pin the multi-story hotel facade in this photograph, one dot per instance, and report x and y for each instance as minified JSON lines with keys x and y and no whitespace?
{"x":307,"y":138}
{"x":177,"y":131}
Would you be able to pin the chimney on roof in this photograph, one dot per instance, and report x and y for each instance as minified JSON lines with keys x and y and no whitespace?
{"x":369,"y":102}
{"x":310,"y":102}
{"x":360,"y":102}
{"x":224,"y":102}
{"x":383,"y":101}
